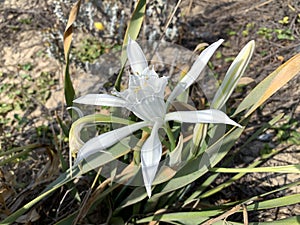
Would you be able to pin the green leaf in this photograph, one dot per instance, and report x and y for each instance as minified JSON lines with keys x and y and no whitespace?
{"x":97,"y":160}
{"x":60,"y":181}
{"x":201,"y":216}
{"x":136,"y":196}
{"x":187,"y":218}
{"x":209,"y":180}
{"x":68,"y":219}
{"x":271,"y":169}
{"x":18,"y":149}
{"x":68,"y":86}
{"x":276,"y":202}
{"x":132,"y":31}
{"x":198,"y":166}
{"x":265,"y":89}
{"x":24,"y":151}
{"x":63,"y":126}
{"x":234,"y":73}
{"x":293,"y":220}
{"x":117,"y":150}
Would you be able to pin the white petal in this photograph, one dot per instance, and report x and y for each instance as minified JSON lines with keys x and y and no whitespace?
{"x":150,"y":72}
{"x":106,"y":140}
{"x":100,"y":99}
{"x":202,"y":116}
{"x":136,"y":57}
{"x":150,"y":157}
{"x":195,"y":71}
{"x":200,"y":63}
{"x":150,"y":108}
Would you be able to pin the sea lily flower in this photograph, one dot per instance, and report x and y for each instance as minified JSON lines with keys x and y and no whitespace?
{"x":145,"y":98}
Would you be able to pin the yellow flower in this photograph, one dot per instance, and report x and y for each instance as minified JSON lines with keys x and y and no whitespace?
{"x":99,"y":26}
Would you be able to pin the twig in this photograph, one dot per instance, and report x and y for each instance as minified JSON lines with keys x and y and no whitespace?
{"x":224,"y":215}
{"x":257,"y":6}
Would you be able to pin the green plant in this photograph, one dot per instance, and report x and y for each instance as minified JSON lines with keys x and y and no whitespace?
{"x":284,"y":20}
{"x":265,"y":32}
{"x":27,"y":66}
{"x":91,"y":48}
{"x":249,"y":28}
{"x":183,"y":194}
{"x":288,"y":131}
{"x":285,"y":34}
{"x":26,"y":21}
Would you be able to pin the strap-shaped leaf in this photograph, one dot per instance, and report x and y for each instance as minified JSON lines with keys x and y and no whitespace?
{"x":116,"y":151}
{"x":195,"y":218}
{"x":198,"y":166}
{"x":270,"y":85}
{"x":188,"y":218}
{"x":132,"y":31}
{"x":276,"y":202}
{"x":271,"y":169}
{"x":68,"y":86}
{"x":234,"y":73}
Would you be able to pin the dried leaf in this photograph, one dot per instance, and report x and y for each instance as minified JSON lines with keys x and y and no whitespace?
{"x":68,"y":86}
{"x":69,"y":29}
{"x":246,"y":81}
{"x":31,"y":216}
{"x":265,"y":89}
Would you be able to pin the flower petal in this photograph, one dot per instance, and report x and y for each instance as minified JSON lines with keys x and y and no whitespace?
{"x":200,"y":63}
{"x":100,"y":99}
{"x":150,"y":108}
{"x":202,"y":116}
{"x":195,"y":71}
{"x":106,"y":140}
{"x":136,"y":57}
{"x":150,"y":157}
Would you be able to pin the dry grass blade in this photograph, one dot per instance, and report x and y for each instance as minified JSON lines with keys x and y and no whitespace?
{"x":232,"y":211}
{"x":68,"y":86}
{"x":69,"y":29}
{"x":270,"y":85}
{"x":282,"y":75}
{"x":170,"y":19}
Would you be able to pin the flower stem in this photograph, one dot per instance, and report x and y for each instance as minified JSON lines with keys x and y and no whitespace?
{"x":137,"y":148}
{"x":170,"y":136}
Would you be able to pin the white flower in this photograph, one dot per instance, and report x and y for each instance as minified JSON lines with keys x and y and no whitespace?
{"x":145,"y":98}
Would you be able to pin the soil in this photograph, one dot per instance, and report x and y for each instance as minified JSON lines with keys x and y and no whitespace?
{"x":32,"y":66}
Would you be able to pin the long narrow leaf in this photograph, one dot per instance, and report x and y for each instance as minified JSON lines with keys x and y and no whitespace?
{"x":293,"y":220}
{"x":60,"y":181}
{"x":276,"y":202}
{"x":271,"y":169}
{"x":209,"y":180}
{"x":117,"y":150}
{"x":270,"y":85}
{"x":17,"y":149}
{"x":132,"y":31}
{"x":68,"y":86}
{"x":239,"y":175}
{"x":197,"y":167}
{"x":183,"y":217}
{"x":234,"y":73}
